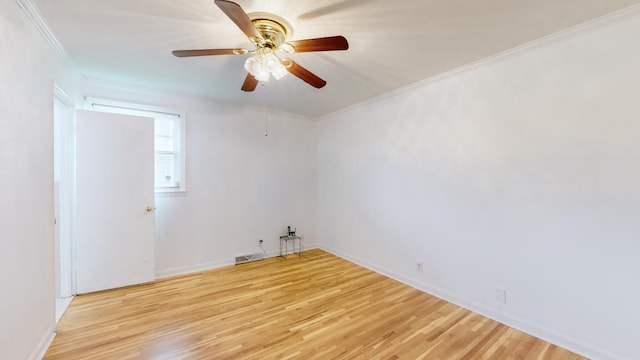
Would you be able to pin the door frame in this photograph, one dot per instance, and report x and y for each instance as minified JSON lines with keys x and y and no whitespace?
{"x":63,"y":114}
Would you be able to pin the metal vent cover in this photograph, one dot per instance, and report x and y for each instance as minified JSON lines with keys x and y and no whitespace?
{"x":249,"y":258}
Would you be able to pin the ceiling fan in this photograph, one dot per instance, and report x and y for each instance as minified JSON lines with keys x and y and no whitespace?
{"x":269,"y":33}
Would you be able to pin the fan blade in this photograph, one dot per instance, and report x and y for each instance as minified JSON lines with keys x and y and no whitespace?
{"x":250,"y":83}
{"x":304,"y":74}
{"x":241,"y":19}
{"x":206,"y":52}
{"x":320,"y":44}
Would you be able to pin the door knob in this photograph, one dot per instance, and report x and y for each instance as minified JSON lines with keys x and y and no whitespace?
{"x":149,"y":208}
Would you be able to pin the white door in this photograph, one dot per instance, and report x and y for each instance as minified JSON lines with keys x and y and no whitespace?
{"x":114,"y":200}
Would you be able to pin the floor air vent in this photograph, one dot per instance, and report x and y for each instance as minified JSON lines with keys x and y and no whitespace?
{"x":249,"y":258}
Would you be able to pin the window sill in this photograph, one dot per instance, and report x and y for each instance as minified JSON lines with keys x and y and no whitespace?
{"x":170,"y":191}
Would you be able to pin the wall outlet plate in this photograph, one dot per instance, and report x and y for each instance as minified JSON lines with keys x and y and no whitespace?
{"x":501,"y":295}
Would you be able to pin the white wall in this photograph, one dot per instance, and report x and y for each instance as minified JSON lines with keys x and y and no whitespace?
{"x":28,"y":67}
{"x":520,"y":173}
{"x":241,"y":185}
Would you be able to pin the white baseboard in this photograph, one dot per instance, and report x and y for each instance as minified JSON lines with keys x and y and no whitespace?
{"x":44,"y":343}
{"x":565,"y":342}
{"x":184,"y":270}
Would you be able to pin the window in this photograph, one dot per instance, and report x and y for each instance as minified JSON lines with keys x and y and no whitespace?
{"x":168,"y":144}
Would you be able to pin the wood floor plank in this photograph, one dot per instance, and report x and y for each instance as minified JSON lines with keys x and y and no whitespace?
{"x":317,"y":306}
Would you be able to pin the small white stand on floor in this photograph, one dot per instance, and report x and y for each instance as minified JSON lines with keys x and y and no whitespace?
{"x":284,"y":244}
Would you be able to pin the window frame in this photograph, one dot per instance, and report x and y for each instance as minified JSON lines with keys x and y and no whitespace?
{"x":129,"y":108}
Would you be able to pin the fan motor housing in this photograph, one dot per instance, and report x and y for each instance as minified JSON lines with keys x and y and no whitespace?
{"x":274,"y":29}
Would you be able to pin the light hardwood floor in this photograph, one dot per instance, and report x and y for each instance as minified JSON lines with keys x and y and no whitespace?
{"x":315,"y":307}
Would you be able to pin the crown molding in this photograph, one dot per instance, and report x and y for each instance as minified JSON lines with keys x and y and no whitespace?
{"x":623,"y":14}
{"x":33,"y":14}
{"x":62,"y":95}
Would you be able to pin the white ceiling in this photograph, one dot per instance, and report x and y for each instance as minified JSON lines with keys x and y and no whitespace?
{"x":392,"y":43}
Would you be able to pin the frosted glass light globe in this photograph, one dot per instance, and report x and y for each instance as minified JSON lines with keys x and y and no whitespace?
{"x":279,"y":71}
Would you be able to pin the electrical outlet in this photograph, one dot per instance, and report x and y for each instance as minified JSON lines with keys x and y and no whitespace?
{"x":501,"y":295}
{"x":419,"y":267}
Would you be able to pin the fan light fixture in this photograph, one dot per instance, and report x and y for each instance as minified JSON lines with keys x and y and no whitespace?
{"x":269,"y":33}
{"x":264,"y":64}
